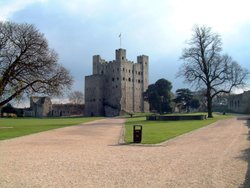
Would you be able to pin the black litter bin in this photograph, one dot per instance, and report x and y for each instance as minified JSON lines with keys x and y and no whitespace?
{"x":137,"y":133}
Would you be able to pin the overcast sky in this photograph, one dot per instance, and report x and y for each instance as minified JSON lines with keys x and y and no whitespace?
{"x":79,"y":29}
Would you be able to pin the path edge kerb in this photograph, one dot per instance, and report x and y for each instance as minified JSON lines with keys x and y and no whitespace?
{"x":121,"y":140}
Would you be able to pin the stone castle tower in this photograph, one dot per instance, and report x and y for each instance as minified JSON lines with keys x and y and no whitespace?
{"x":40,"y":106}
{"x":116,"y":87}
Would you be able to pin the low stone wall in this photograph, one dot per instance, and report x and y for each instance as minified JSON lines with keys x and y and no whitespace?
{"x":176,"y":118}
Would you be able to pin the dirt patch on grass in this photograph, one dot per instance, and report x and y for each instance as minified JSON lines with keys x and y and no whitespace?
{"x":6,"y":127}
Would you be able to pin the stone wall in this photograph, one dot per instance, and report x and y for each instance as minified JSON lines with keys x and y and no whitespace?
{"x":94,"y":95}
{"x":43,"y":107}
{"x":239,"y":103}
{"x":59,"y":110}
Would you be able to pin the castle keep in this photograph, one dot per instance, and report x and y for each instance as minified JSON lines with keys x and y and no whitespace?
{"x":116,"y":87}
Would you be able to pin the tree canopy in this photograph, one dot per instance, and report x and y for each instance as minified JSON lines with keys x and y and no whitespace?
{"x":76,"y":97}
{"x":159,"y":96}
{"x":206,"y":67}
{"x":27,"y":64}
{"x":185,"y":99}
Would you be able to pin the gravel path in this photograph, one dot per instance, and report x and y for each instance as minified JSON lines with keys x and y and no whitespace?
{"x":88,"y":156}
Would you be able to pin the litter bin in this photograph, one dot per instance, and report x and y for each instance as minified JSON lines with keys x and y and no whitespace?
{"x":137,"y":133}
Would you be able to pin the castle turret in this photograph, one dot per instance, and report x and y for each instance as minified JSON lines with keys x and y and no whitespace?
{"x":96,"y":62}
{"x":120,"y":55}
{"x":143,"y":61}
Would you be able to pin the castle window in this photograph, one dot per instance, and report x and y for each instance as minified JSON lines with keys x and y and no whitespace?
{"x":139,"y":73}
{"x":117,"y":69}
{"x":129,"y":70}
{"x":117,"y":78}
{"x":123,"y":69}
{"x":101,"y":72}
{"x":129,"y":79}
{"x":123,"y":78}
{"x":122,"y":57}
{"x":139,"y":81}
{"x":113,"y":79}
{"x":116,"y":86}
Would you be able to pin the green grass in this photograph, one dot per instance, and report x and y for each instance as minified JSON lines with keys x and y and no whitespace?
{"x":158,"y":131}
{"x":25,"y":126}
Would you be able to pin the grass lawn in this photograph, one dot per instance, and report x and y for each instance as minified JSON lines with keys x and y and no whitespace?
{"x":158,"y":131}
{"x":15,"y":127}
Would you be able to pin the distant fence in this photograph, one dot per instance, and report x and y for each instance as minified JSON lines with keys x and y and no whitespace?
{"x":176,"y":118}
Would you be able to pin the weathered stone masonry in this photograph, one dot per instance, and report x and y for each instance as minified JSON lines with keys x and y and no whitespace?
{"x":43,"y":107}
{"x":116,"y":87}
{"x":239,"y":103}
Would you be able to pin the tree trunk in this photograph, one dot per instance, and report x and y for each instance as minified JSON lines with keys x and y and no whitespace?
{"x":209,"y":102}
{"x":209,"y":107}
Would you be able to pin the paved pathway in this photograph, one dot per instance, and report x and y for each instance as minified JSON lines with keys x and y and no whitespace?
{"x":88,"y":156}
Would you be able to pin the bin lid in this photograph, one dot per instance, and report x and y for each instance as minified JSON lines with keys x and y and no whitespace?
{"x":137,"y":126}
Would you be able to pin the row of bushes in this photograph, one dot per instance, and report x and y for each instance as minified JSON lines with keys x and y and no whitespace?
{"x":176,"y":118}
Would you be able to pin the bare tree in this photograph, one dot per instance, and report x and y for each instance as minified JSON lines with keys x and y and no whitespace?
{"x":205,"y":67}
{"x":27,"y":64}
{"x":76,"y":97}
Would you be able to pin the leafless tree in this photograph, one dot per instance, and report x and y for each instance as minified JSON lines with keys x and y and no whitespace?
{"x":205,"y":67}
{"x":76,"y":97}
{"x":27,"y":64}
